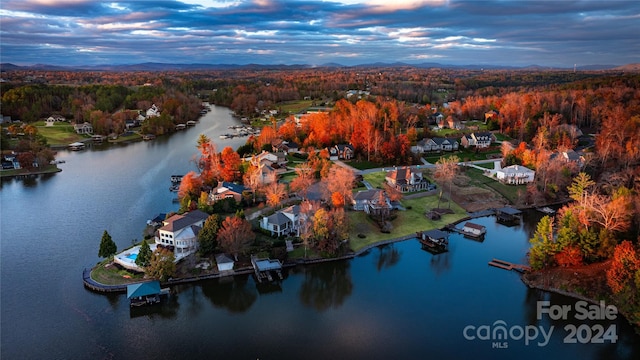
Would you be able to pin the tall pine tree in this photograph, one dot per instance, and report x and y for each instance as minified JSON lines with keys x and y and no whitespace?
{"x":107,"y":247}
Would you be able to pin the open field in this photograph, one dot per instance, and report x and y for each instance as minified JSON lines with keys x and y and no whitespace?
{"x":406,"y":223}
{"x":61,"y":134}
{"x":294,"y":107}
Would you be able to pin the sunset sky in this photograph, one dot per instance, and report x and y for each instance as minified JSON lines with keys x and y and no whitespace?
{"x":315,"y":32}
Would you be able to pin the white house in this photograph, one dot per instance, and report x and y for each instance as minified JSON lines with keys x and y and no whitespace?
{"x":153,"y":111}
{"x":180,"y":232}
{"x":515,"y":175}
{"x":84,"y":128}
{"x":480,"y":140}
{"x":284,"y":222}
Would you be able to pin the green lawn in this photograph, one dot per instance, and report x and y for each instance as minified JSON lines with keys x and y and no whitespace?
{"x":376,"y":179}
{"x":463,"y":154}
{"x":294,"y":107}
{"x":47,"y":169}
{"x":111,"y":275}
{"x":61,"y":134}
{"x":510,"y":192}
{"x":124,"y":138}
{"x":407,"y":222}
{"x":363,"y":165}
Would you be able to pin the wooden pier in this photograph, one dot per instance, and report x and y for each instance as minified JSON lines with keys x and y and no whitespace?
{"x":509,"y":266}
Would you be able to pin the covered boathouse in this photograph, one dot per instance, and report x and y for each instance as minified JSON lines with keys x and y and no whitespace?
{"x":146,"y":293}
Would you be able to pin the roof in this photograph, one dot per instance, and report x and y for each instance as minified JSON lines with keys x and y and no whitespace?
{"x":236,"y":188}
{"x":366,"y":194}
{"x":436,"y":234}
{"x":143,"y":289}
{"x":178,"y":222}
{"x":223,"y":259}
{"x":474,"y":226}
{"x":268,"y":264}
{"x":293,"y":209}
{"x":278,"y":219}
{"x":509,"y":210}
{"x":513,"y":169}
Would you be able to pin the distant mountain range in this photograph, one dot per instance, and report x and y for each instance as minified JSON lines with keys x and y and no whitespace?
{"x":152,"y":66}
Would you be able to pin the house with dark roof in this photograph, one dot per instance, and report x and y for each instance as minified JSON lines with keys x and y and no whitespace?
{"x":371,"y":201}
{"x":341,"y":152}
{"x":406,"y":179}
{"x":479,"y":140}
{"x":180,"y":232}
{"x":283,"y":222}
{"x":226,"y":190}
{"x":435,"y":144}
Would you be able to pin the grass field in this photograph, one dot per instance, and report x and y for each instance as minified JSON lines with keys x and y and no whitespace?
{"x":407,"y":222}
{"x":61,"y":134}
{"x":510,"y":192}
{"x":295,"y":107}
{"x":375,"y":179}
{"x":111,"y":275}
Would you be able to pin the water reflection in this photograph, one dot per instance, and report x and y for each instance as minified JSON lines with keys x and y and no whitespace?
{"x":233,"y":294}
{"x":168,"y":309}
{"x":440,"y":263}
{"x":387,"y":257}
{"x":326,"y":285}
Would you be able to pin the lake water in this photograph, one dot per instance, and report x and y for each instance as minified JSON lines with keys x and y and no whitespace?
{"x":396,"y":301}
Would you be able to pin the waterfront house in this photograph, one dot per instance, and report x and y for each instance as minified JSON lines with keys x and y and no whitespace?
{"x":83,"y":129}
{"x":278,"y":224}
{"x":153,"y":111}
{"x":515,"y":175}
{"x":371,"y":201}
{"x":406,"y":179}
{"x":180,"y":232}
{"x":491,"y":114}
{"x":226,"y":190}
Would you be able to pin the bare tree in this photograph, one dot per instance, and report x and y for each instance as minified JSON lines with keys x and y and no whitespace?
{"x":446,"y":171}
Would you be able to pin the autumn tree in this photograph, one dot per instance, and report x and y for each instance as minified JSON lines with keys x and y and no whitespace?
{"x":108,"y":248}
{"x":446,"y":170}
{"x":190,"y":186}
{"x":209,"y":161}
{"x":144,"y":254}
{"x":162,"y":264}
{"x":208,"y":235}
{"x":275,"y":193}
{"x":235,"y":235}
{"x":230,"y":169}
{"x":624,"y":272}
{"x":303,"y":180}
{"x":340,"y":180}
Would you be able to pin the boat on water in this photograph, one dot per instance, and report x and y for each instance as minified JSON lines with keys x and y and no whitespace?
{"x":434,"y":241}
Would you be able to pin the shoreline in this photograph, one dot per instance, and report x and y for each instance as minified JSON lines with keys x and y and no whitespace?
{"x":28,"y":174}
{"x":104,"y":288}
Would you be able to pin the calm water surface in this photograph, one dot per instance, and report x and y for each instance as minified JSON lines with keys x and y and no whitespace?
{"x":395,"y":301}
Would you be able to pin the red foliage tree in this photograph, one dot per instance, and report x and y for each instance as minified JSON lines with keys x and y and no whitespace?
{"x":230,"y":170}
{"x":624,"y":267}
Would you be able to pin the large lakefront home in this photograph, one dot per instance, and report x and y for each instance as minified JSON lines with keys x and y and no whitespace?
{"x":515,"y":175}
{"x":406,"y":179}
{"x":180,"y":232}
{"x":283,"y":222}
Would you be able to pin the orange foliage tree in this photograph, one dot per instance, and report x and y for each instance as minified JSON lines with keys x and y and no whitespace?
{"x":625,"y":267}
{"x":235,"y":235}
{"x":190,"y":186}
{"x":230,"y":170}
{"x":209,"y":161}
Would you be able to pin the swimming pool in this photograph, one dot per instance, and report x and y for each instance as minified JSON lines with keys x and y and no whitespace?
{"x":132,"y":256}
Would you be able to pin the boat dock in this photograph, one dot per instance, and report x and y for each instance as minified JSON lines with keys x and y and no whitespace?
{"x":509,"y":266}
{"x":264,"y":267}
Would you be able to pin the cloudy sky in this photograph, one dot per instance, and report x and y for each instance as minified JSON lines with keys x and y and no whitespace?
{"x":349,"y":32}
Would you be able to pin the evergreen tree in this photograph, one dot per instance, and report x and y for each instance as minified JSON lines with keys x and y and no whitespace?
{"x":107,"y":247}
{"x":144,"y":254}
{"x":208,"y":236}
{"x":543,"y":246}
